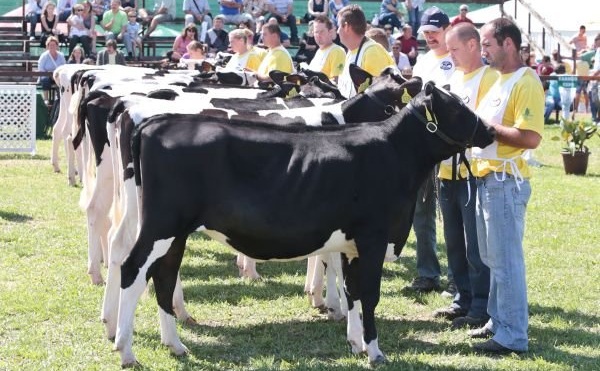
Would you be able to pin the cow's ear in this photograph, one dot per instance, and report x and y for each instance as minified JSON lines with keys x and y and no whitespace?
{"x":361,"y":78}
{"x":446,"y":87}
{"x":278,"y":77}
{"x":429,"y":87}
{"x":290,"y":90}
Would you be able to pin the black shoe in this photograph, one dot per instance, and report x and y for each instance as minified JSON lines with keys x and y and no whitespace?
{"x":424,"y":284}
{"x":450,"y":313}
{"x":480,"y":333}
{"x":468,"y":321}
{"x":451,"y":290}
{"x":492,"y":347}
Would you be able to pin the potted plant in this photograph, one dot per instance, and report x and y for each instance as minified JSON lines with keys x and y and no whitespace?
{"x":575,"y":153}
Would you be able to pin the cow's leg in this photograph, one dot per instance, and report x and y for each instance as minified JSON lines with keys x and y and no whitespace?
{"x":133,"y":283}
{"x":165,"y":274}
{"x":97,"y":215}
{"x":354,"y":328}
{"x":315,"y":275}
{"x":70,"y":154}
{"x":120,"y":246}
{"x":371,"y":249}
{"x":246,"y":267}
{"x":337,"y":307}
{"x":179,"y":305}
{"x":57,"y":131}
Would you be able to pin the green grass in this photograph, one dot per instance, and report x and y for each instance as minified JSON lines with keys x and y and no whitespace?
{"x":49,"y":311}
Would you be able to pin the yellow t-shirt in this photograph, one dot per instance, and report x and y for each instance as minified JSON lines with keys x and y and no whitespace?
{"x":374,"y":59}
{"x":487,"y":81}
{"x":276,"y":59}
{"x":249,"y":60}
{"x":524,"y":110}
{"x":333,"y":65}
{"x":260,"y":52}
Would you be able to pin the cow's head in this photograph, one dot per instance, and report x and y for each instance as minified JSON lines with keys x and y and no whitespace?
{"x":447,"y":119}
{"x":383,"y":96}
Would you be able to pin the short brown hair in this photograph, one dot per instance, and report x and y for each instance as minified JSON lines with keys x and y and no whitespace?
{"x":353,"y":16}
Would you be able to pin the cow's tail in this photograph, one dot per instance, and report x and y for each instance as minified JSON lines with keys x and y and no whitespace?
{"x":136,"y":139}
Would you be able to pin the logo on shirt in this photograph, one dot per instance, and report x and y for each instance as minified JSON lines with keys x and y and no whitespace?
{"x":496,"y":102}
{"x":527,"y":115}
{"x":466,"y":99}
{"x":446,"y":65}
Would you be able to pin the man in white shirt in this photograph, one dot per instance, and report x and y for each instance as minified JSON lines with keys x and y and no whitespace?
{"x":197,"y":11}
{"x":164,"y":12}
{"x":437,"y":66}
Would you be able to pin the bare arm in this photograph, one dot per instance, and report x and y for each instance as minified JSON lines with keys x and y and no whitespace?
{"x":518,"y":138}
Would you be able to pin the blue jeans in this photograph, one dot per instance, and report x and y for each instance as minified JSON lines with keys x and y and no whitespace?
{"x":424,"y":227}
{"x":414,"y":15}
{"x":500,"y":226}
{"x":391,"y":19}
{"x":471,"y":276}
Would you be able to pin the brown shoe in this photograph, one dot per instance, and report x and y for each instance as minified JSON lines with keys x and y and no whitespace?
{"x":480,"y":333}
{"x":492,"y":347}
{"x":449,"y":313}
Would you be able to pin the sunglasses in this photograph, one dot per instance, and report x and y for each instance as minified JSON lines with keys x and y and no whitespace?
{"x":79,"y":10}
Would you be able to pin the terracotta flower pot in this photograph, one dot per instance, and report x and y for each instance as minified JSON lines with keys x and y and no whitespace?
{"x":575,"y":164}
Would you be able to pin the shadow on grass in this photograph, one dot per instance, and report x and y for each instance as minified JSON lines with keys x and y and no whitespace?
{"x":14,"y":217}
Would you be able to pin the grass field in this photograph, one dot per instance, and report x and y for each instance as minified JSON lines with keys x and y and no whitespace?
{"x":49,"y":311}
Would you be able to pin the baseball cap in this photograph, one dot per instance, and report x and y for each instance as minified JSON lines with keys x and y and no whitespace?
{"x":433,"y":19}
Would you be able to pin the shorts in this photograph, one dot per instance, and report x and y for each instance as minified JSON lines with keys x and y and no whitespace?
{"x":582,"y":87}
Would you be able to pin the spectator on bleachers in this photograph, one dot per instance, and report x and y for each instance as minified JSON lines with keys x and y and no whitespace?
{"x":77,"y":55}
{"x":389,"y":29}
{"x":98,"y":8}
{"x":49,"y":60}
{"x":256,"y":8}
{"x":277,"y":58}
{"x":195,"y":51}
{"x":414,"y":9}
{"x":216,"y":38}
{"x":410,"y":45}
{"x":131,"y":37}
{"x":282,"y":10}
{"x":400,"y":58}
{"x":197,"y":11}
{"x":129,"y":5}
{"x":110,"y":55}
{"x":308,"y":46}
{"x":244,"y":58}
{"x":392,"y":12}
{"x":164,"y":11}
{"x":49,"y":20}
{"x":334,"y":7}
{"x":188,"y":35}
{"x":545,"y":68}
{"x":316,"y":8}
{"x":231,"y":12}
{"x":34,"y":14}
{"x":113,"y":21}
{"x":579,"y":41}
{"x":79,"y":33}
{"x":65,"y":9}
{"x":462,"y":16}
{"x":89,"y":21}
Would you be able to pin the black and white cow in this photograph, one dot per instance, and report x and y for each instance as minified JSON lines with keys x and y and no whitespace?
{"x":283,"y":192}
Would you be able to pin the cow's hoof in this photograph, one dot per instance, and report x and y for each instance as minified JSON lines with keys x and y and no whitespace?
{"x":356,"y":347}
{"x":96,"y":279}
{"x":322,"y":309}
{"x":335,"y":315}
{"x":130,"y":364}
{"x":379,"y":360}
{"x":190,"y":322}
{"x":178,"y":349}
{"x":57,"y":171}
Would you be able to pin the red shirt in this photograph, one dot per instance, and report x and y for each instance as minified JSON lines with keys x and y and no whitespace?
{"x":458,"y":20}
{"x":408,"y":44}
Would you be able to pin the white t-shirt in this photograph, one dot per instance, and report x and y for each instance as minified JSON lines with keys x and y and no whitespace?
{"x":430,"y":67}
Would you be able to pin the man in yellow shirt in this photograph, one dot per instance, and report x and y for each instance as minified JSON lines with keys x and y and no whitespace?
{"x":277,"y":57}
{"x":457,"y":192}
{"x":514,"y":105}
{"x":330,"y":57}
{"x":362,"y":51}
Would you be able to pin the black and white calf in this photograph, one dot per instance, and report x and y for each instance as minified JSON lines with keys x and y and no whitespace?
{"x":284,"y":192}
